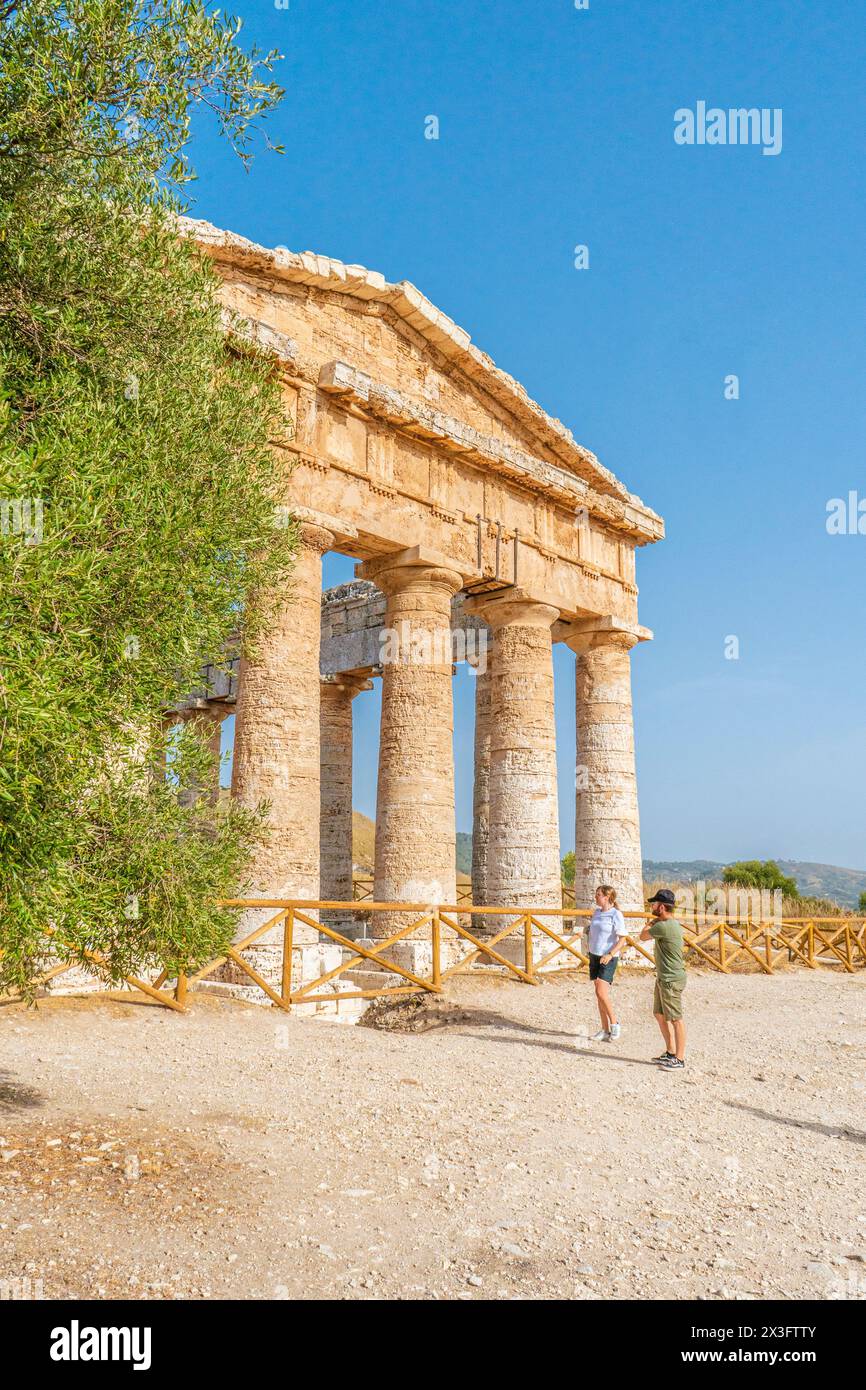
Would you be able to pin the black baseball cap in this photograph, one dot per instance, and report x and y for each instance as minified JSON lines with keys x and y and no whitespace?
{"x":664,"y":895}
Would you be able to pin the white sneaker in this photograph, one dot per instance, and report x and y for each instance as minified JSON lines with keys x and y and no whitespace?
{"x":615,"y":1031}
{"x":601,"y":1036}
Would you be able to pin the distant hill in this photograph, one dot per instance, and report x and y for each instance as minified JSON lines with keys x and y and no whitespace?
{"x":363,"y":841}
{"x":681,"y":870}
{"x":843,"y":886}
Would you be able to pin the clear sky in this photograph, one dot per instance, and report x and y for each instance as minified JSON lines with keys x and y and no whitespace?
{"x":556,"y":128}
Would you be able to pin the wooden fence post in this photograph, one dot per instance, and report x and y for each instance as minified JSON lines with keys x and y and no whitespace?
{"x":436,"y":936}
{"x":288,"y":938}
{"x":527,"y":946}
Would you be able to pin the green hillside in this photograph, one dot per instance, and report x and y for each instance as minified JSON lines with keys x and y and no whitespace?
{"x":464,"y":852}
{"x":842,"y":886}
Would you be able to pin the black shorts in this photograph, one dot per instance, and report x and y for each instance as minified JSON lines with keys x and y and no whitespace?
{"x":597,"y":971}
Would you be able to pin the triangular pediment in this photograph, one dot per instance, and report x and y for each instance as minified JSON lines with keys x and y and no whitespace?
{"x":350,"y":321}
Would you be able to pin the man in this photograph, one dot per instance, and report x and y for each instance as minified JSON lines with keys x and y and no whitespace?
{"x":667,"y":934}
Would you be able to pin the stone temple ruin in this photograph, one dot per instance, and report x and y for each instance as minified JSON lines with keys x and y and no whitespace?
{"x":467,"y":507}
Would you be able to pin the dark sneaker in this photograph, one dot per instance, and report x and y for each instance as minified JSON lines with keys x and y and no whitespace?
{"x":665,"y":1056}
{"x":673,"y":1064}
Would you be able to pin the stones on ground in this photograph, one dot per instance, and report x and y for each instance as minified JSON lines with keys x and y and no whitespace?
{"x":412,"y":1014}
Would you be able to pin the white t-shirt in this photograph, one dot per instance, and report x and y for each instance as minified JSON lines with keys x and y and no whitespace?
{"x":605,"y":925}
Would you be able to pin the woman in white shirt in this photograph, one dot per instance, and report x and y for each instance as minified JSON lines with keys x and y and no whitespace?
{"x":606,"y":940}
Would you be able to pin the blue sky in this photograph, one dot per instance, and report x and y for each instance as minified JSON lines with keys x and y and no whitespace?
{"x":556,"y":129}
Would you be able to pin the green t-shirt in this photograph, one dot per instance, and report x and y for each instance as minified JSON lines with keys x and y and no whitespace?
{"x":668,"y":937}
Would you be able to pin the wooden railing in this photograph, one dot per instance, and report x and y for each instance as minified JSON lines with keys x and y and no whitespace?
{"x":815,"y":943}
{"x":362,"y":891}
{"x":717,"y":945}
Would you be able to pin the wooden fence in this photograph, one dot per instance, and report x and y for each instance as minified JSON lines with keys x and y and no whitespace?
{"x":362,"y":891}
{"x":817,"y":943}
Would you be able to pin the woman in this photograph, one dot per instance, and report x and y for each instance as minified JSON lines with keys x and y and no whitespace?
{"x":606,"y":940}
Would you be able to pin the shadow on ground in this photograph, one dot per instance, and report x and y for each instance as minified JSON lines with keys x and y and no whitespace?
{"x":16,"y":1096}
{"x":856,"y":1136}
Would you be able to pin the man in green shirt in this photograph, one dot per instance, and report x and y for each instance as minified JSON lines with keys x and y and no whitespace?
{"x":667,"y":934}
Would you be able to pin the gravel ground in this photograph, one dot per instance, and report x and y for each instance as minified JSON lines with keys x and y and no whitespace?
{"x":234,"y":1152}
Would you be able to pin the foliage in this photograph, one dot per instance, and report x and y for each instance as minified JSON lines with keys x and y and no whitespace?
{"x":138,"y":479}
{"x":756,"y":873}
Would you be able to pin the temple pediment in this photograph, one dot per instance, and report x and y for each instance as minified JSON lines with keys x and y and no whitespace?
{"x":386,"y":350}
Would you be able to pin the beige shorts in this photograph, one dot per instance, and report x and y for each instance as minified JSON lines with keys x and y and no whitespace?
{"x":668,"y":999}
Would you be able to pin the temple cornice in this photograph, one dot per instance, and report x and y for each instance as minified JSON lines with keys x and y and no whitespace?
{"x":445,"y":337}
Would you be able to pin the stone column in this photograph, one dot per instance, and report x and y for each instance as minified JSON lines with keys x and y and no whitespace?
{"x":523,"y":867}
{"x":335,"y":838}
{"x":607,"y":830}
{"x":276,"y":753}
{"x":415,"y":818}
{"x":481,"y":789}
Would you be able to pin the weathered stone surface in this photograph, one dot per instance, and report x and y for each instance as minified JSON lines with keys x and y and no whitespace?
{"x":335,"y":836}
{"x":276,"y":754}
{"x":319,"y":280}
{"x":415,"y":834}
{"x":353,"y":616}
{"x":523,"y":834}
{"x":406,"y":437}
{"x":481,"y":795}
{"x":607,"y":831}
{"x":404,"y":431}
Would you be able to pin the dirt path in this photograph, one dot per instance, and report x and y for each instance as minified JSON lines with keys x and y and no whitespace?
{"x":235,"y":1153}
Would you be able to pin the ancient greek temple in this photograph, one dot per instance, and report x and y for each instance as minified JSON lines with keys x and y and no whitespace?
{"x":469,"y":511}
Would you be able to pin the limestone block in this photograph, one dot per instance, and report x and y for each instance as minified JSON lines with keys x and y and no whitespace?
{"x":523,"y":831}
{"x":415,"y":831}
{"x":335,"y":832}
{"x":607,"y":831}
{"x":276,"y":754}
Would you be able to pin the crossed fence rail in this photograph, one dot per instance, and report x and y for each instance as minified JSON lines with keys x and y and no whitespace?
{"x":362,"y":891}
{"x":816,"y":943}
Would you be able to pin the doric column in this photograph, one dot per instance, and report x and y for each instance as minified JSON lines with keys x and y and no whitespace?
{"x":335,"y":838}
{"x":276,"y":753}
{"x":607,"y":830}
{"x":523,"y":866}
{"x":415,"y":822}
{"x":481,"y":785}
